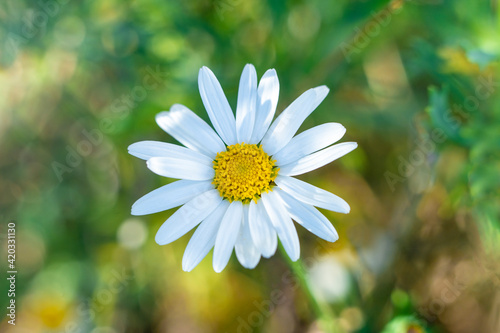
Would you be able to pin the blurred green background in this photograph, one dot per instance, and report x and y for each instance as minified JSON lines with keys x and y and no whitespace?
{"x":414,"y":82}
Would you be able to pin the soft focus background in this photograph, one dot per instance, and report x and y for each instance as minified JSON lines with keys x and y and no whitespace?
{"x":414,"y":82}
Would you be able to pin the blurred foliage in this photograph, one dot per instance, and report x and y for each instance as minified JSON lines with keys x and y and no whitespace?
{"x":414,"y":82}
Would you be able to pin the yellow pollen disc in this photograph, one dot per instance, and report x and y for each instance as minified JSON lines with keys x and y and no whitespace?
{"x":243,"y":172}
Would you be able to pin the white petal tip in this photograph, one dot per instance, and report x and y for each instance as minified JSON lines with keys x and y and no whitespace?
{"x":204,"y":70}
{"x":249,"y":264}
{"x":269,"y":254}
{"x":187,"y":267}
{"x":159,"y":240}
{"x":131,"y":147}
{"x":322,"y":90}
{"x":249,"y":66}
{"x":271,"y":73}
{"x":218,"y":269}
{"x":351,"y":146}
{"x":136,"y":211}
{"x":161,"y":115}
{"x":345,"y":210}
{"x":342,"y":207}
{"x":293,"y":254}
{"x":332,"y":238}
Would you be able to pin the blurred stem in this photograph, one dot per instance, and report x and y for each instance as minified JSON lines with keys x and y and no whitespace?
{"x":322,"y":310}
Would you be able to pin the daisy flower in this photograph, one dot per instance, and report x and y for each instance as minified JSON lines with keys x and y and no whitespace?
{"x":237,"y":182}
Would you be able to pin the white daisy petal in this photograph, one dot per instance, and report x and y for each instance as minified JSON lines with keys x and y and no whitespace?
{"x":188,"y":216}
{"x":289,"y":121}
{"x":246,"y":252}
{"x":190,"y":130}
{"x":170,"y":196}
{"x":217,"y":106}
{"x":308,"y":142}
{"x":309,"y":217}
{"x":261,"y":229}
{"x":203,"y":238}
{"x":180,"y":168}
{"x":245,"y":110}
{"x":267,"y":100}
{"x":317,"y":160}
{"x":148,"y":149}
{"x":312,"y":195}
{"x":283,"y":224}
{"x":227,"y":235}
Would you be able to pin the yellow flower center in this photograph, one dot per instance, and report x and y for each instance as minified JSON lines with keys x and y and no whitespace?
{"x":243,"y":172}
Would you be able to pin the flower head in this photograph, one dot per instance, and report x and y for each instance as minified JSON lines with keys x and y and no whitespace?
{"x":237,"y":182}
{"x":243,"y":172}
